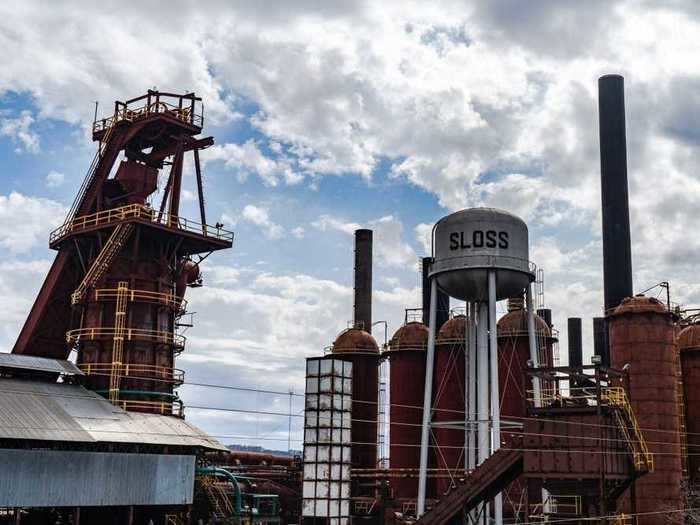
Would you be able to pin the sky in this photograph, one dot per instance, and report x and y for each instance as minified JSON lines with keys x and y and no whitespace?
{"x":329,"y":116}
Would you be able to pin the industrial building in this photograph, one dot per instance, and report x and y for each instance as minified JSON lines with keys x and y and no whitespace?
{"x":481,"y":421}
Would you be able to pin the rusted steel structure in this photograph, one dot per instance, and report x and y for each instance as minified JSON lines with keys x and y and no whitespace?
{"x":641,"y":335}
{"x":513,"y":357}
{"x":689,"y":347}
{"x":116,"y":289}
{"x":448,"y":401}
{"x":406,"y":355}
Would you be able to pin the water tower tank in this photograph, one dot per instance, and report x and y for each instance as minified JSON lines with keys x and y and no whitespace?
{"x":470,"y":242}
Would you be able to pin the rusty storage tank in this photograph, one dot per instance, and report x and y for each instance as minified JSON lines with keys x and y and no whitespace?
{"x":513,"y":355}
{"x":641,"y":334}
{"x":689,"y":346}
{"x":361,"y":349}
{"x":448,"y":400}
{"x":406,"y":353}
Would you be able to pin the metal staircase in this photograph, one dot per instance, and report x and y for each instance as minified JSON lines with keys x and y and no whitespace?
{"x":627,"y":422}
{"x":103,"y":261}
{"x":221,"y":507}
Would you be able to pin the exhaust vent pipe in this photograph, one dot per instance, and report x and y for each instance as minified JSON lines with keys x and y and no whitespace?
{"x":617,"y":256}
{"x":362,"y":310}
{"x":575,"y":341}
{"x":443,"y":300}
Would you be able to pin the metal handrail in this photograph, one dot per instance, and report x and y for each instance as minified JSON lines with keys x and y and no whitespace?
{"x":164,"y":298}
{"x":138,"y":211}
{"x":173,"y":407}
{"x":124,"y":113}
{"x":161,"y":373}
{"x":74,"y":336}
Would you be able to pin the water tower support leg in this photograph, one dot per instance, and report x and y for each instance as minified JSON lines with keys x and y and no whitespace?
{"x":495,"y":398}
{"x":427,"y":408}
{"x":533,"y":344}
{"x":482,"y":386}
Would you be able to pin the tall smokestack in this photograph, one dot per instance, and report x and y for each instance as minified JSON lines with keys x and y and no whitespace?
{"x":575,"y":342}
{"x":617,"y":257}
{"x":443,"y":300}
{"x":363,"y":280}
{"x":600,"y":340}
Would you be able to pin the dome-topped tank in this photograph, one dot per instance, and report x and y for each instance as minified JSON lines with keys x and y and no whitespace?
{"x":470,"y":242}
{"x":689,"y":346}
{"x":642,"y":335}
{"x":406,"y":354}
{"x":448,"y":399}
{"x":360,"y":348}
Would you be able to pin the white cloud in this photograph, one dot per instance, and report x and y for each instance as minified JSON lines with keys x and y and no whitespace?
{"x":298,"y":232}
{"x":19,"y":130}
{"x":54,"y":179}
{"x":26,"y":221}
{"x":424,"y":233}
{"x":261,"y":217}
{"x":248,"y":159}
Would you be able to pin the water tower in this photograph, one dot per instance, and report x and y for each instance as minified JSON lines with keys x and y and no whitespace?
{"x":480,"y":256}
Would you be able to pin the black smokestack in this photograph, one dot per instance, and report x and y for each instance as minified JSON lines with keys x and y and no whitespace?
{"x":546,"y":315}
{"x":575,"y":342}
{"x":600,"y":340}
{"x":443,"y":300}
{"x":363,"y":280}
{"x":617,"y":257}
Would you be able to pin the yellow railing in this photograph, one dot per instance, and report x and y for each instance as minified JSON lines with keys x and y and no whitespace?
{"x":118,"y":345}
{"x":617,"y":396}
{"x":166,"y":408}
{"x":166,"y":299}
{"x":140,"y":212}
{"x":136,"y":371}
{"x":127,"y":114}
{"x":621,"y":519}
{"x":130,"y":334}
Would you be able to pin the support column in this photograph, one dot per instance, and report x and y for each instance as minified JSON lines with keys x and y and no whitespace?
{"x":482,"y":414}
{"x":532,"y":338}
{"x":495,"y":397}
{"x":76,"y":516}
{"x":427,"y":402}
{"x":471,"y":388}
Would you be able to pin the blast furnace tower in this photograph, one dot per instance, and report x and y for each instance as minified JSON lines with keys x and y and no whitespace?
{"x":125,"y":256}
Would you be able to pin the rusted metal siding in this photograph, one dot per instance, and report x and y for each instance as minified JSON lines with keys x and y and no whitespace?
{"x":689,"y":345}
{"x":641,"y":334}
{"x":52,"y":478}
{"x":448,"y":399}
{"x":407,"y":385}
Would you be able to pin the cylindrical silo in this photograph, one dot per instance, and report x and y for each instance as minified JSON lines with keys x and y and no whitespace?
{"x":689,"y":344}
{"x":513,"y":355}
{"x":641,"y":335}
{"x":407,"y":383}
{"x":361,"y":349}
{"x":448,"y":400}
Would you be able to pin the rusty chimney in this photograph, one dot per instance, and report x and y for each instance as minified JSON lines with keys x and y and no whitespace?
{"x":363,"y":280}
{"x":617,"y":257}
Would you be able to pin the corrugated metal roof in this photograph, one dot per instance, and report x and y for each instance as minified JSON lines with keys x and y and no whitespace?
{"x":39,"y":364}
{"x":62,"y":412}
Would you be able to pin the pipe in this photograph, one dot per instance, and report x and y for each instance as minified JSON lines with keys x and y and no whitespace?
{"x":482,"y":414}
{"x":533,"y":343}
{"x":617,"y":255}
{"x":600,"y":340}
{"x":495,"y":398}
{"x":427,"y":407}
{"x":363,"y":280}
{"x":236,"y":487}
{"x":443,"y":300}
{"x":546,"y":315}
{"x":575,"y":341}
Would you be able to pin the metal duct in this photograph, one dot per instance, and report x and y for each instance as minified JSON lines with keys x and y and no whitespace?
{"x":617,"y":257}
{"x":575,"y":341}
{"x":363,"y":280}
{"x":546,"y":315}
{"x":600,"y":340}
{"x":443,"y":300}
